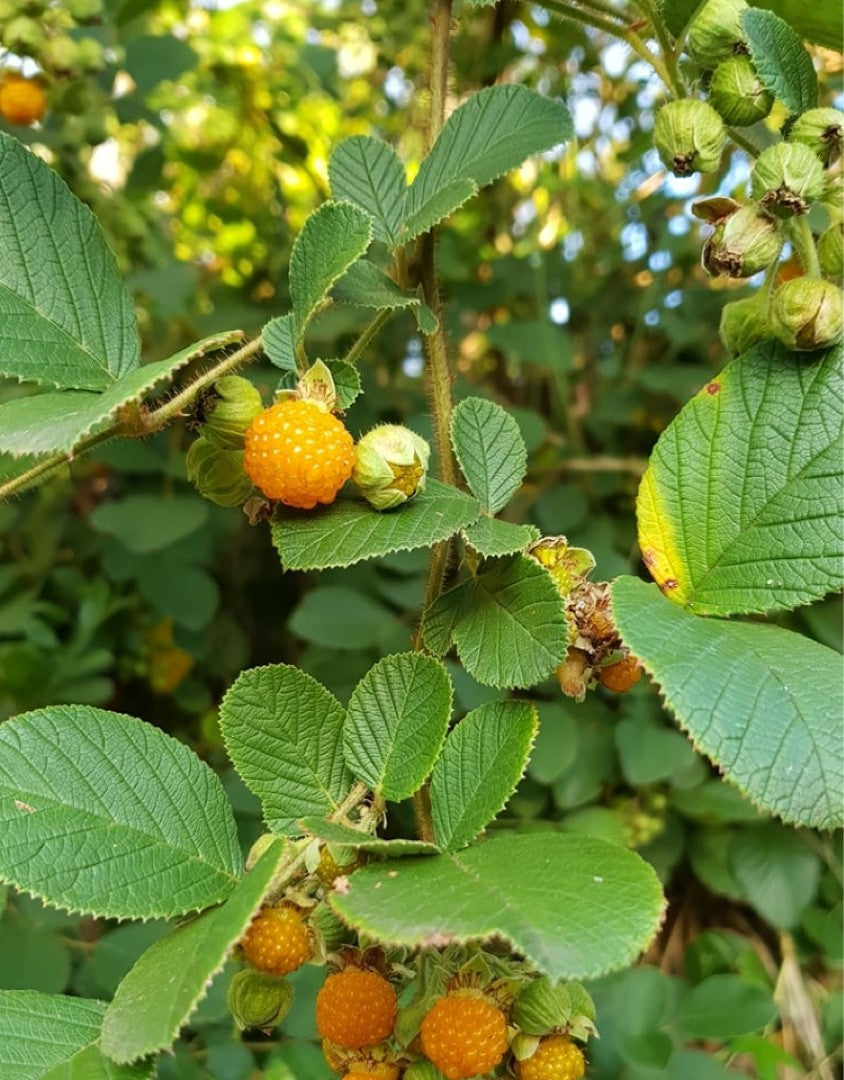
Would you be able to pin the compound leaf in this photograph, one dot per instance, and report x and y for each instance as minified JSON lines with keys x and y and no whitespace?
{"x":283,"y":732}
{"x":396,"y":723}
{"x":106,"y":815}
{"x":482,"y":762}
{"x":575,"y":906}
{"x":160,"y":993}
{"x":764,"y":703}
{"x":740,"y":509}
{"x":68,"y":320}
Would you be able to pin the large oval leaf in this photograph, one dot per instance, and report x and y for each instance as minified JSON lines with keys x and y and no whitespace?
{"x":740,"y":509}
{"x":764,"y":703}
{"x":67,"y":318}
{"x":103,"y":814}
{"x":577,"y":907}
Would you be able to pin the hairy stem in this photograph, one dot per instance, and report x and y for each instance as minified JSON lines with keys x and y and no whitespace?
{"x":746,"y":144}
{"x":369,"y":332}
{"x":669,"y":56}
{"x":804,"y":244}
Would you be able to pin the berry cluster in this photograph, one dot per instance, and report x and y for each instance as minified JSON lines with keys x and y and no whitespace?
{"x":805,"y":311}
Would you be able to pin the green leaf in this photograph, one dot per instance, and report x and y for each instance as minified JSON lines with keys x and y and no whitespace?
{"x":487,"y":136}
{"x":346,"y":382}
{"x":348,"y":531}
{"x":32,"y":958}
{"x":441,"y":204}
{"x":482,"y":762}
{"x":149,"y":523}
{"x":67,"y":318}
{"x":164,"y":987}
{"x":365,"y":285}
{"x":396,"y":723}
{"x":490,"y":537}
{"x":332,"y":238}
{"x":781,"y":60}
{"x":367,"y":172}
{"x":777,"y":871}
{"x":38,"y":1031}
{"x":508,"y":623}
{"x":764,"y":703}
{"x":91,"y":1064}
{"x":576,"y":907}
{"x":283,"y":733}
{"x":58,"y":421}
{"x":724,"y":1006}
{"x":334,"y":833}
{"x":339,"y":617}
{"x":677,"y":14}
{"x":278,"y":337}
{"x":819,"y":22}
{"x":740,"y":509}
{"x":108,"y":816}
{"x":490,"y":450}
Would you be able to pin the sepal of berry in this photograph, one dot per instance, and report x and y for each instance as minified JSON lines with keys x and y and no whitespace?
{"x":568,"y":566}
{"x":807,"y":314}
{"x":218,"y":475}
{"x":391,"y":464}
{"x":831,"y":251}
{"x":738,"y":94}
{"x":744,"y":323}
{"x":544,"y":1006}
{"x":330,"y":932}
{"x":690,"y":136}
{"x":742,"y":244}
{"x":259,"y":1000}
{"x":821,"y":131}
{"x":717,"y":32}
{"x":316,"y":386}
{"x":786,"y":178}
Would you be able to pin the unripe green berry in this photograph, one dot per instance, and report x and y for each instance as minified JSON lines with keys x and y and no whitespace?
{"x":23,"y":35}
{"x":787,"y":177}
{"x":717,"y":33}
{"x":543,"y":1005}
{"x":830,"y":251}
{"x":742,"y":244}
{"x":806,"y":314}
{"x":218,"y":474}
{"x":744,"y":323}
{"x":391,"y":463}
{"x":90,"y":55}
{"x":84,"y":10}
{"x":689,"y":136}
{"x":234,"y":405}
{"x":737,"y":93}
{"x":61,"y":55}
{"x":820,"y":130}
{"x":259,"y":1000}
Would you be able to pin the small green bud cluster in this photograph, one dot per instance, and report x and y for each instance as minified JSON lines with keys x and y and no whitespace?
{"x":391,"y":466}
{"x":215,"y":459}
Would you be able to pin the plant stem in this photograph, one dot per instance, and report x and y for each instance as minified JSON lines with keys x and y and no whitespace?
{"x":158,"y":418}
{"x":369,"y":332}
{"x":53,"y":462}
{"x":804,"y":244}
{"x":630,"y":37}
{"x":746,"y":144}
{"x":650,"y":12}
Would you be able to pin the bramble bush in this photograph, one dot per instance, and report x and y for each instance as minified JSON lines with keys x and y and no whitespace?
{"x":468,"y":896}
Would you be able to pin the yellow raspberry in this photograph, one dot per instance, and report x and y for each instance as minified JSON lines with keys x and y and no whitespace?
{"x":277,"y":941}
{"x":556,"y":1058}
{"x":298,"y":454}
{"x":620,"y":676}
{"x":379,"y":1071}
{"x":22,"y":101}
{"x":356,"y":1008}
{"x":464,"y":1036}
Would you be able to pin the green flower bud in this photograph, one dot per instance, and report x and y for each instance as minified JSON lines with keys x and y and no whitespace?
{"x":689,"y":136}
{"x":717,"y":33}
{"x":806,"y":314}
{"x":744,"y":323}
{"x":61,"y":55}
{"x":218,"y":474}
{"x":542,"y":1006}
{"x":830,"y":251}
{"x":742,"y":244}
{"x":391,"y":463}
{"x":258,"y":1000}
{"x":737,"y":93}
{"x":331,"y":932}
{"x":84,"y":10}
{"x":820,"y":130}
{"x":23,"y":35}
{"x":833,"y":192}
{"x":786,"y":178}
{"x":234,"y":404}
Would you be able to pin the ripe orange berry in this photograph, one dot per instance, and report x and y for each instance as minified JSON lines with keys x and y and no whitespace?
{"x":464,"y":1036}
{"x":620,"y":676}
{"x":298,"y":454}
{"x":356,"y":1008}
{"x":277,"y":941}
{"x":379,"y":1071}
{"x":22,"y":101}
{"x":556,"y":1058}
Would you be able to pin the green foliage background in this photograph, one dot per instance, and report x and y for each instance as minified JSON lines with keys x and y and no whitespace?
{"x":576,"y":301}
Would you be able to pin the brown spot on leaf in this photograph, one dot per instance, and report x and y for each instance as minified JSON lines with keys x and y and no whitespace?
{"x":669,"y":584}
{"x":713,"y":388}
